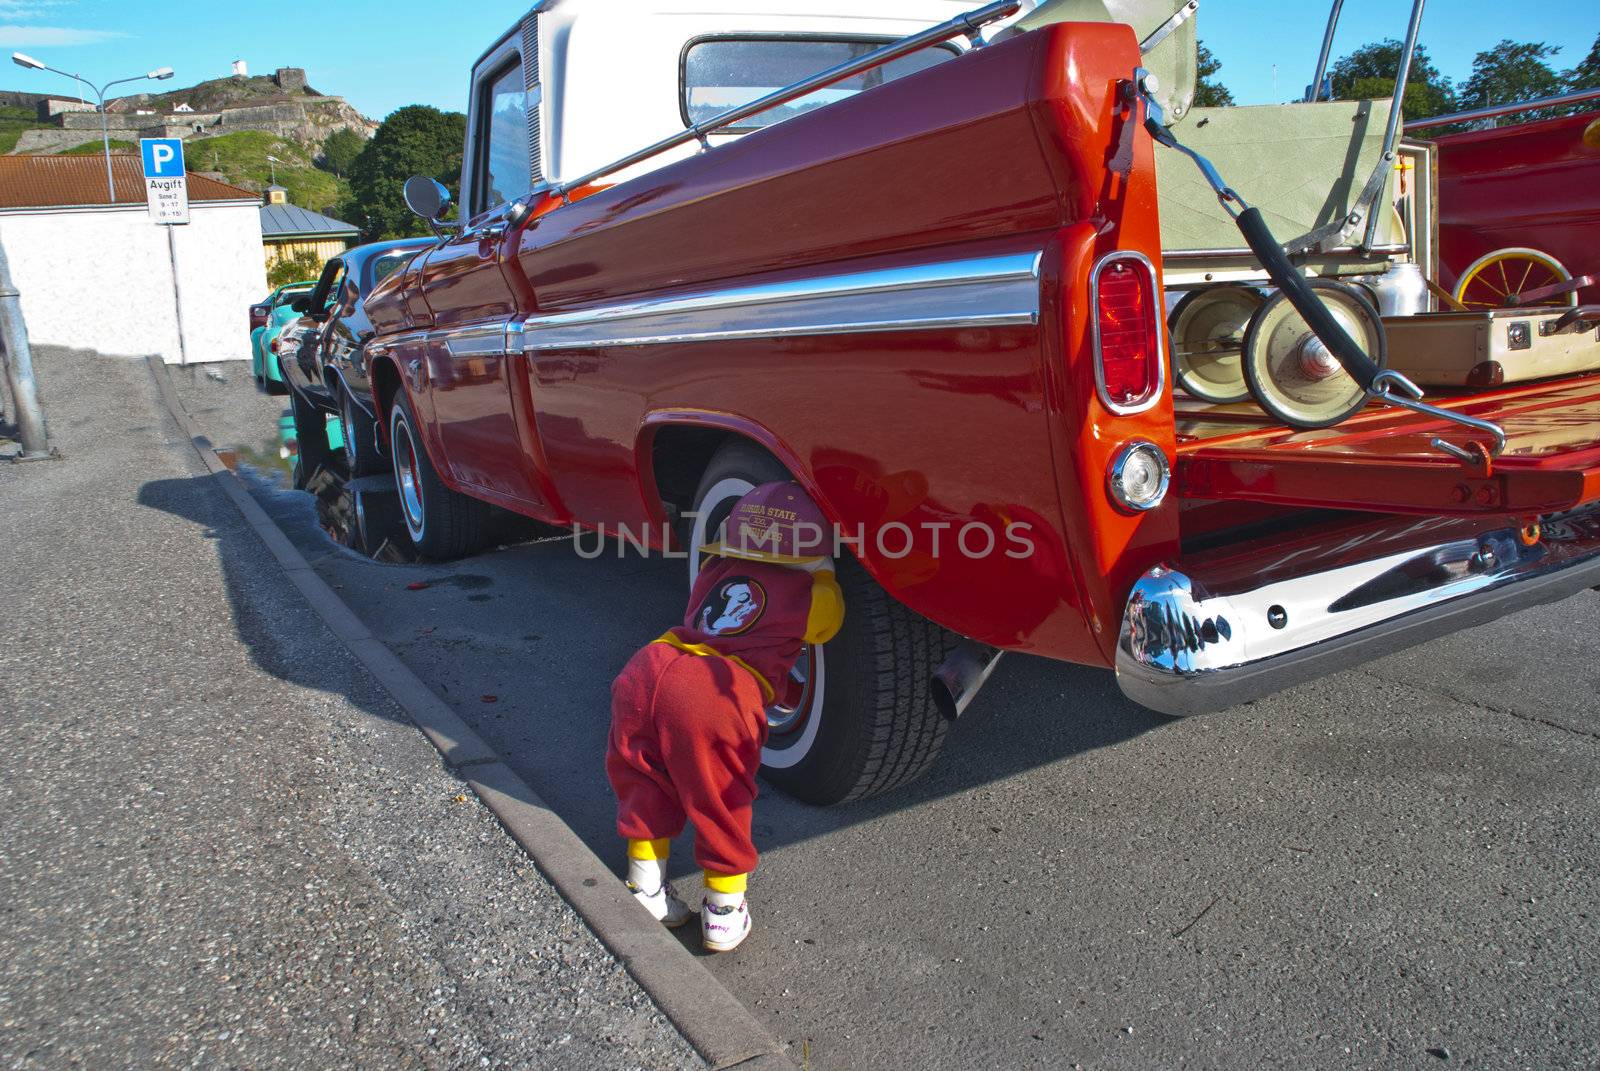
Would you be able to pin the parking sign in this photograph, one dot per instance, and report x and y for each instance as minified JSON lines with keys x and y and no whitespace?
{"x":166,"y":181}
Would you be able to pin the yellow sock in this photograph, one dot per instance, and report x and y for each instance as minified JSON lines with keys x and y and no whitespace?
{"x":726,"y":883}
{"x":649,"y":849}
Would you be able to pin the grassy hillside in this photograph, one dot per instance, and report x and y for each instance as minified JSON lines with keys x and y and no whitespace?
{"x":13,"y":121}
{"x":242,"y":159}
{"x":96,"y":147}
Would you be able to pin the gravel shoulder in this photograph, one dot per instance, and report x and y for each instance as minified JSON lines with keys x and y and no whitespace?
{"x":222,"y":844}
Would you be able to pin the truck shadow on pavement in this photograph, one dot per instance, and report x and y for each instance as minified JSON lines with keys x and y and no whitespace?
{"x":523,"y":642}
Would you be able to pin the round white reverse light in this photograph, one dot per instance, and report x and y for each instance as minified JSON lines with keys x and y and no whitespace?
{"x":1139,"y":477}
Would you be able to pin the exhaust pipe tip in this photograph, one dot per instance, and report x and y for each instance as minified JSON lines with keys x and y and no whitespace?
{"x":961,"y":675}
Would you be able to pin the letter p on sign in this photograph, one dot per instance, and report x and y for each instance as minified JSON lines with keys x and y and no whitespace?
{"x":163,"y":157}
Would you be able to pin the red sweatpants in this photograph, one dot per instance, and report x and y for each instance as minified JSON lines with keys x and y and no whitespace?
{"x":686,"y":736}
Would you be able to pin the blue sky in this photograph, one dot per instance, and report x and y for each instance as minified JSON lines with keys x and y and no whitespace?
{"x":381,"y":54}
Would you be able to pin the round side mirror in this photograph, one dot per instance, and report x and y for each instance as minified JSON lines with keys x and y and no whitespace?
{"x":427,"y":198}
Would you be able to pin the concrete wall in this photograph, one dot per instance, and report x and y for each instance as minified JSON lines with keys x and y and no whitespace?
{"x":48,"y":109}
{"x":101,"y":279}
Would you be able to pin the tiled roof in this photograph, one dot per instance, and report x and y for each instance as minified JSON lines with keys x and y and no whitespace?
{"x":66,"y":181}
{"x":292,"y":221}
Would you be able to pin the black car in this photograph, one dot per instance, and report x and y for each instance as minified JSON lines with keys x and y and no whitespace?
{"x":322,"y":360}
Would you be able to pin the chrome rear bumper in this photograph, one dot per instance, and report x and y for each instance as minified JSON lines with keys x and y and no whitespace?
{"x":1191,"y":647}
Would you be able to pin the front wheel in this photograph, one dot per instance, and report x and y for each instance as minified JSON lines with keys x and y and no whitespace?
{"x":442,"y":523}
{"x":360,"y":434}
{"x":857,"y":717}
{"x":310,"y":434}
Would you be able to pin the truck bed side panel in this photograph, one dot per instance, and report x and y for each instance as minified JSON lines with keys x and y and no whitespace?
{"x":934,"y":428}
{"x":945,"y":156}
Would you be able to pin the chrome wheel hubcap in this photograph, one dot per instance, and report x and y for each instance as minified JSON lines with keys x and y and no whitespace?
{"x":407,"y":477}
{"x":345,"y":425}
{"x":782,"y":717}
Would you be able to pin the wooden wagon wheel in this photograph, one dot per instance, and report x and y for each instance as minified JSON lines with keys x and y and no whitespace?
{"x":1497,"y":280}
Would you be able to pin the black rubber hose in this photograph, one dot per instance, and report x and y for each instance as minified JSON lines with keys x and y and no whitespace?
{"x":1303,"y":298}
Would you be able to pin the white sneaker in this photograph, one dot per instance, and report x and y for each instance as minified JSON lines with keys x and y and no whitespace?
{"x":723,"y":926}
{"x":663,"y":904}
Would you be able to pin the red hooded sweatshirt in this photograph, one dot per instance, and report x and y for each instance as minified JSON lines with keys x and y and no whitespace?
{"x":754,"y":613}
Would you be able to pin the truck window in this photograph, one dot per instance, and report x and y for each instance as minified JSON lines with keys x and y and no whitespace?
{"x":725,"y":71}
{"x":504,"y":169}
{"x":384,"y":266}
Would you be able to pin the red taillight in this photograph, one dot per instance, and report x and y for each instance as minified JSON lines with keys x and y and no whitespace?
{"x":1128,"y":333}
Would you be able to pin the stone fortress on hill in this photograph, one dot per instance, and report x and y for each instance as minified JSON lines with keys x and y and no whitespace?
{"x":282,"y":105}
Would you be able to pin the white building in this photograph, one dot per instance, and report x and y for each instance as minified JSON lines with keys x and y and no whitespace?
{"x":241,"y":69}
{"x":99,"y":276}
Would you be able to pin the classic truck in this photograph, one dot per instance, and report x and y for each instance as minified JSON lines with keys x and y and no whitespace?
{"x":917,"y":260}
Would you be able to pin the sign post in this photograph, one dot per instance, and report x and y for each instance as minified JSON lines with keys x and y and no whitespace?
{"x":166,"y":191}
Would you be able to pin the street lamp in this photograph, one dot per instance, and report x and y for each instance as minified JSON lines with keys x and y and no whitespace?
{"x":159,"y":74}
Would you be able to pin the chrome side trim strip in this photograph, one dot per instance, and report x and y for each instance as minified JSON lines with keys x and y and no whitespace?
{"x":476,"y":340}
{"x":384,"y":343}
{"x":486,"y":340}
{"x":981,"y":292}
{"x":1188,"y":648}
{"x":997,"y":291}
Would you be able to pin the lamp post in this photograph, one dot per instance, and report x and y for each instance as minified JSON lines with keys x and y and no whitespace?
{"x":159,"y":74}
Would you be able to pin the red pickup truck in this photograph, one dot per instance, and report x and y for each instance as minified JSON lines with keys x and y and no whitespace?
{"x":934,"y":297}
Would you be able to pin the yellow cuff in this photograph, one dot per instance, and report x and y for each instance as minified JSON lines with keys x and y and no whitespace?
{"x":726,"y":883}
{"x":649,"y":849}
{"x":827,"y":608}
{"x":704,"y":650}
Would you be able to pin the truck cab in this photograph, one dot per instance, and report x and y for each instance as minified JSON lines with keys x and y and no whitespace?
{"x":951,"y":272}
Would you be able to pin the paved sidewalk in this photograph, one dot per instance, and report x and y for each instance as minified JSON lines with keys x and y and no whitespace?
{"x":220,"y":844}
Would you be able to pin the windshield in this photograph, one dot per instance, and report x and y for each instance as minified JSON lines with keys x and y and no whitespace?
{"x":388,"y":264}
{"x":292,"y":291}
{"x":721,"y":73}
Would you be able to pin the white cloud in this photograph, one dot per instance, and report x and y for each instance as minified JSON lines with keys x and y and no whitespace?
{"x":26,"y":9}
{"x":12,"y":35}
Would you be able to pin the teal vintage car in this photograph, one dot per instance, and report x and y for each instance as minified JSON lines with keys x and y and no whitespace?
{"x":263,"y":365}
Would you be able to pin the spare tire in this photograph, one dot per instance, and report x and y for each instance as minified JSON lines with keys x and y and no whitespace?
{"x":863,"y":720}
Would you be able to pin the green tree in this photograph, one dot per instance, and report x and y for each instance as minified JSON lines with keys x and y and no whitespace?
{"x":1586,"y":75}
{"x":303,"y":265}
{"x":414,"y":140}
{"x":1512,"y":72}
{"x":341,"y":150}
{"x":1369,"y":73}
{"x":1209,"y":93}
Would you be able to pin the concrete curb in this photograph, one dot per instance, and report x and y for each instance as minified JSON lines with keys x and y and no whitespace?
{"x":720,"y":1029}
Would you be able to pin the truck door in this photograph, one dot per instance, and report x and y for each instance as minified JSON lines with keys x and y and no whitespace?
{"x":477,"y":388}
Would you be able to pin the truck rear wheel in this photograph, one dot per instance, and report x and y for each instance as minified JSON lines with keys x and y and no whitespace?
{"x":860,"y":719}
{"x":442,"y":523}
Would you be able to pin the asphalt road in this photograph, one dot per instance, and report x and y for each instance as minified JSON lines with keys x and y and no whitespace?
{"x":221,"y":844}
{"x":1394,"y":867}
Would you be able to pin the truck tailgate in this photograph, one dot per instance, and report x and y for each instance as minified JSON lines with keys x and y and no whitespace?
{"x":1381,"y":459}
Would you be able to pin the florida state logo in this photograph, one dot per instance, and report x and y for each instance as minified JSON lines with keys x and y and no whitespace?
{"x":733,"y":607}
